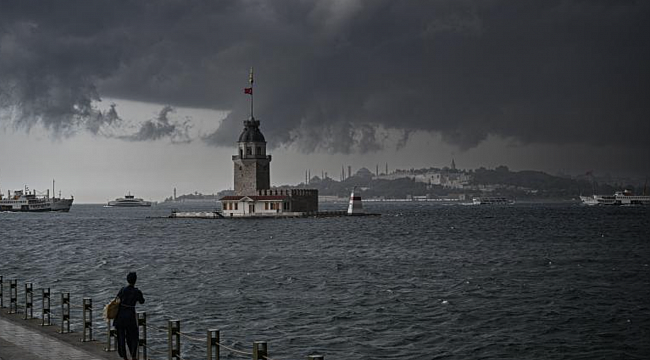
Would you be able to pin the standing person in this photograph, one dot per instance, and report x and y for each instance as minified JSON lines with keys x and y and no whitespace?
{"x":126,"y":322}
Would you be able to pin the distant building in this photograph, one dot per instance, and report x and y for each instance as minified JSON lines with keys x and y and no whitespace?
{"x":271,"y":202}
{"x":448,"y":178}
{"x":364,"y":173}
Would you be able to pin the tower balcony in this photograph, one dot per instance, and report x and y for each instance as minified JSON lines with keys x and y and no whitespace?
{"x":251,"y":157}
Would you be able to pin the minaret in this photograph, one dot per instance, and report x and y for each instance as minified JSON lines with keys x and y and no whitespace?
{"x":252,"y":165}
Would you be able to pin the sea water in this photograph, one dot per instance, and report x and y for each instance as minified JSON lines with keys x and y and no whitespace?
{"x":422,"y":281}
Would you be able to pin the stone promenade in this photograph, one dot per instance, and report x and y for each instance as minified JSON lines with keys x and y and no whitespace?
{"x":28,"y":340}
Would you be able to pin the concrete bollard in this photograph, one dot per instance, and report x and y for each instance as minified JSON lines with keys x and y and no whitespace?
{"x":174,"y":339}
{"x":65,"y":313}
{"x":142,"y":342}
{"x":260,"y":350}
{"x":46,"y":314}
{"x":29,"y":301}
{"x":213,"y":344}
{"x":13,"y":296}
{"x":315,"y":357}
{"x":87,"y":320}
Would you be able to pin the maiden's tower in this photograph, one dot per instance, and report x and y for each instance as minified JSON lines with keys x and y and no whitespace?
{"x":252,"y":179}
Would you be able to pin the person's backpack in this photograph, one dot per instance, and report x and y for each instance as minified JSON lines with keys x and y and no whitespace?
{"x":110,"y":310}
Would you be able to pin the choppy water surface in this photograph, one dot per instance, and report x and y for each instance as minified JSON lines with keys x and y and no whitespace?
{"x":423,"y":281}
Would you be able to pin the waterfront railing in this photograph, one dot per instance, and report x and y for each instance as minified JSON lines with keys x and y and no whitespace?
{"x":212,"y":341}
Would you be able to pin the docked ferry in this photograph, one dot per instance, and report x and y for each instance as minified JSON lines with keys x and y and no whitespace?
{"x":619,"y":198}
{"x":129,"y":201}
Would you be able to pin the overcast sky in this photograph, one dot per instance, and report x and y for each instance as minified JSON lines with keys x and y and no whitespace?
{"x":144,"y":96}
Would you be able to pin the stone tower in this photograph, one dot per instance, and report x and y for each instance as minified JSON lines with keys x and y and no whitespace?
{"x":252,"y":165}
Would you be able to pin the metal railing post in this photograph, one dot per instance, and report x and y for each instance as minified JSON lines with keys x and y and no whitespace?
{"x":65,"y":313}
{"x":46,"y":308}
{"x":213,"y":344}
{"x":87,"y":320}
{"x":260,"y":350}
{"x":2,"y":298}
{"x":111,"y":337}
{"x":174,"y":339}
{"x":29,"y":301}
{"x":142,"y":342}
{"x":13,"y":296}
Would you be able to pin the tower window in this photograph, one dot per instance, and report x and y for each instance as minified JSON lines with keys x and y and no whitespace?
{"x":258,"y":150}
{"x":248,"y":151}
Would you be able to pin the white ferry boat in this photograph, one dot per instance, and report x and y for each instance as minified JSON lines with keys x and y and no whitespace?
{"x":619,"y":198}
{"x":24,"y":201}
{"x":129,"y":201}
{"x":31,"y":201}
{"x":491,"y":200}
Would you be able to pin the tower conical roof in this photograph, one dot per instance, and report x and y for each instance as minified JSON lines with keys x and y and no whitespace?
{"x":251,"y":132}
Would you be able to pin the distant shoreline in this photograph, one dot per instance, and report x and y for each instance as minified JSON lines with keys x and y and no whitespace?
{"x":330,"y":199}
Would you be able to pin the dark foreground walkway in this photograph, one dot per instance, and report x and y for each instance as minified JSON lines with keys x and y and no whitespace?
{"x":27,"y":340}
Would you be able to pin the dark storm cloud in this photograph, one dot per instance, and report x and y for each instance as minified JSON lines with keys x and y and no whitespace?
{"x":49,"y":75}
{"x":95,"y":122}
{"x":332,"y":74}
{"x":161,"y":127}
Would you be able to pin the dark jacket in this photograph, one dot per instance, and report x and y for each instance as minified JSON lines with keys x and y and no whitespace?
{"x":128,"y":295}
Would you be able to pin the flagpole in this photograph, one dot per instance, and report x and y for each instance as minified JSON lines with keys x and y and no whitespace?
{"x":250,"y":79}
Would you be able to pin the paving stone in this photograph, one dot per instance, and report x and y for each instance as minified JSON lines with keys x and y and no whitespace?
{"x":20,"y":343}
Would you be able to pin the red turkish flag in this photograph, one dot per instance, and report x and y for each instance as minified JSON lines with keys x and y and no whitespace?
{"x":248,"y":91}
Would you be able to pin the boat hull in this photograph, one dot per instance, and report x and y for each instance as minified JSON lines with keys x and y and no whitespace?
{"x":11,"y":209}
{"x":62,"y":205}
{"x":117,"y":204}
{"x":492,"y":201}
